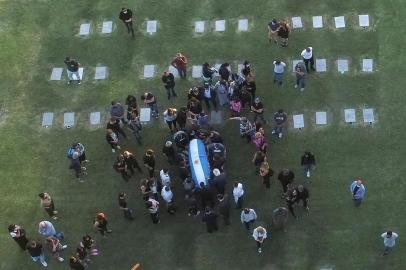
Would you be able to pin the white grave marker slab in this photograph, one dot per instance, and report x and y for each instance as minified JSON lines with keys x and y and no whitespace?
{"x":368,"y":115}
{"x":339,"y":22}
{"x":298,"y":121}
{"x":243,"y":25}
{"x":56,"y":74}
{"x":197,"y":71}
{"x":297,"y":22}
{"x":149,"y":71}
{"x":81,"y":70}
{"x":321,"y":65}
{"x":100,"y":73}
{"x":84,"y":29}
{"x":107,"y":27}
{"x":174,"y":71}
{"x":145,"y":115}
{"x":240,"y":67}
{"x":95,"y":118}
{"x":317,"y":21}
{"x":68,"y":119}
{"x":342,"y":65}
{"x":199,"y":26}
{"x":151,"y":27}
{"x":294,"y":62}
{"x":349,"y":115}
{"x":321,"y":118}
{"x":363,"y":20}
{"x":47,"y":119}
{"x":220,"y":25}
{"x":367,"y":65}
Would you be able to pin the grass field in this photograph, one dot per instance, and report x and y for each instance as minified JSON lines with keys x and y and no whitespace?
{"x":37,"y":35}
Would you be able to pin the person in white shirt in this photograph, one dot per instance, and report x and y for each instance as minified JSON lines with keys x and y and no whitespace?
{"x":389,"y":241}
{"x":170,"y":118}
{"x":307,"y":55}
{"x":259,"y":235}
{"x":248,"y":217}
{"x":238,"y":193}
{"x":278,"y":70}
{"x":167,"y":195}
{"x":165,"y":178}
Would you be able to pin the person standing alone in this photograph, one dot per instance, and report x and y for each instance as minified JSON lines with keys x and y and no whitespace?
{"x":169,"y":83}
{"x":357,"y":191}
{"x":307,"y":55}
{"x":389,"y":241}
{"x":126,"y":15}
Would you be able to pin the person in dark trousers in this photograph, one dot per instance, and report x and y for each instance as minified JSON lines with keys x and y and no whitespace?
{"x":283,"y":33}
{"x":149,"y":162}
{"x":258,"y":158}
{"x":250,"y":87}
{"x":308,"y":57}
{"x":224,"y":207}
{"x":280,"y":118}
{"x":219,"y":181}
{"x":100,"y":224}
{"x":75,"y":264}
{"x":206,"y":196}
{"x":132,"y":106}
{"x":115,"y":125}
{"x":48,"y":204}
{"x":77,"y":167}
{"x":126,"y":15}
{"x":209,"y":95}
{"x":308,"y":162}
{"x":180,"y":63}
{"x":121,"y":167}
{"x":302,"y":194}
{"x":182,"y":117}
{"x":112,"y":140}
{"x":266,"y":172}
{"x":170,"y":115}
{"x":36,"y":251}
{"x":73,"y":69}
{"x":131,"y":162}
{"x":18,"y":234}
{"x":258,"y":109}
{"x":290,"y":198}
{"x":169,"y":152}
{"x":150,"y":100}
{"x":210,"y":218}
{"x":169,"y":83}
{"x":153,"y":208}
{"x":122,"y":203}
{"x":285,"y":177}
{"x":300,"y":76}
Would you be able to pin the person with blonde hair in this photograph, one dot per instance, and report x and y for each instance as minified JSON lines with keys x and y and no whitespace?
{"x":259,"y":235}
{"x":180,"y":63}
{"x":266,"y":172}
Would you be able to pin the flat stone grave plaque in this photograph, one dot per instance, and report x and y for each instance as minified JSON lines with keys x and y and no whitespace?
{"x":216,"y":117}
{"x":47,"y":119}
{"x":197,"y":71}
{"x":149,"y":71}
{"x":95,"y":118}
{"x":75,"y":78}
{"x":151,"y":27}
{"x":298,"y":121}
{"x":56,"y":74}
{"x":220,"y":25}
{"x":295,"y":62}
{"x":297,"y":22}
{"x":363,"y":20}
{"x":317,"y":21}
{"x":342,"y":65}
{"x":100,"y":73}
{"x":349,"y":115}
{"x":243,"y":25}
{"x":174,"y":71}
{"x":368,"y":115}
{"x":68,"y":119}
{"x":321,"y":118}
{"x":145,"y":115}
{"x":339,"y":22}
{"x":84,"y":29}
{"x":199,"y":26}
{"x":367,"y":65}
{"x":107,"y":27}
{"x":321,"y":65}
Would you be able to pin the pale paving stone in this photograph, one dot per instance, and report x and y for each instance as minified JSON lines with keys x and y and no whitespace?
{"x":197,"y":71}
{"x":368,"y":115}
{"x":95,"y":118}
{"x":367,"y":65}
{"x":68,"y":119}
{"x":100,"y":73}
{"x":84,"y":29}
{"x":107,"y":27}
{"x":317,"y":21}
{"x":297,"y":22}
{"x":220,"y":25}
{"x":56,"y":74}
{"x":199,"y":26}
{"x":321,"y":118}
{"x":47,"y":119}
{"x":145,"y":115}
{"x":342,"y":65}
{"x":243,"y":25}
{"x":174,"y":71}
{"x":363,"y":20}
{"x":149,"y":71}
{"x":349,"y":115}
{"x":151,"y":27}
{"x":321,"y":65}
{"x":339,"y":22}
{"x":298,"y":121}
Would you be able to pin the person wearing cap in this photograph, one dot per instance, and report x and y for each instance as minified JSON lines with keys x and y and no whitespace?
{"x":131,"y":162}
{"x":210,"y":218}
{"x":149,"y":162}
{"x":73,"y":69}
{"x":224,"y":207}
{"x":209,"y":95}
{"x":357,"y":192}
{"x":278,"y":71}
{"x":126,"y":15}
{"x":169,"y":83}
{"x":248,"y":217}
{"x":308,"y":57}
{"x":48,"y":204}
{"x":170,"y":118}
{"x":258,"y":109}
{"x":280,"y":118}
{"x":180,"y":63}
{"x":273,"y":27}
{"x":389,"y":241}
{"x":219,"y":181}
{"x":259,"y":234}
{"x":169,"y":152}
{"x":308,"y":162}
{"x":238,"y":193}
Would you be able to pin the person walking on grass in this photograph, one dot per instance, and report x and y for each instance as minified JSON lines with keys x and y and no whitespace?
{"x":170,"y":118}
{"x":285,"y":177}
{"x":224,"y":207}
{"x":36,"y":251}
{"x":302,"y":194}
{"x":169,"y":83}
{"x":121,"y":167}
{"x":122,"y":203}
{"x":126,"y":15}
{"x":210,"y":218}
{"x":112,"y":140}
{"x":258,"y":158}
{"x":238,"y":193}
{"x":75,"y":264}
{"x":134,"y":124}
{"x":259,"y":235}
{"x":180,"y":63}
{"x":248,"y":217}
{"x":273,"y":27}
{"x":283,"y":32}
{"x":357,"y":192}
{"x":54,"y":246}
{"x":100,"y":224}
{"x":153,"y":208}
{"x":389,"y":241}
{"x":149,"y":162}
{"x":73,"y":69}
{"x":278,"y":71}
{"x":167,"y":196}
{"x":169,"y":151}
{"x":151,"y":101}
{"x":48,"y":204}
{"x":280,"y":218}
{"x":290,"y":197}
{"x":280,"y":118}
{"x":307,"y":55}
{"x":257,"y":107}
{"x":115,"y":125}
{"x":131,"y":162}
{"x":308,"y":162}
{"x":266,"y":172}
{"x":247,"y":130}
{"x":300,"y":77}
{"x":18,"y":234}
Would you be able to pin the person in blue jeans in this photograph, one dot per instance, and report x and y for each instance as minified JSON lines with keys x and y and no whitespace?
{"x":35,"y":250}
{"x":357,"y":192}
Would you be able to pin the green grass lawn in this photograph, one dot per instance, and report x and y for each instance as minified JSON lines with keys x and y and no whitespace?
{"x":37,"y":35}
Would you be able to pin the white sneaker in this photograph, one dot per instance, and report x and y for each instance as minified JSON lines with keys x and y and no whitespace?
{"x":60,"y":259}
{"x":259,"y":250}
{"x":308,"y":174}
{"x":44,"y":263}
{"x":64,"y":246}
{"x":280,"y":135}
{"x":301,"y":89}
{"x":118,"y":147}
{"x":296,"y":85}
{"x":113,"y":150}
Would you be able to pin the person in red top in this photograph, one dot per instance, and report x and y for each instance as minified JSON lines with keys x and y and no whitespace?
{"x":180,"y":62}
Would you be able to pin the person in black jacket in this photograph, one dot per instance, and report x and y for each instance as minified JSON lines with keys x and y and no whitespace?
{"x":225,"y":71}
{"x":131,"y":162}
{"x":302,"y":194}
{"x":115,"y":125}
{"x":36,"y":251}
{"x":169,"y":152}
{"x":286,"y":177}
{"x":224,"y":208}
{"x":210,"y":218}
{"x":126,"y":15}
{"x":308,"y":162}
{"x":149,"y":162}
{"x":169,"y":83}
{"x":121,"y":167}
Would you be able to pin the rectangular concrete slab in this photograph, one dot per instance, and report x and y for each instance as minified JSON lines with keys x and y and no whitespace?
{"x":321,"y":118}
{"x":174,"y":71}
{"x":68,"y":119}
{"x":339,"y":22}
{"x":95,"y":118}
{"x":107,"y":27}
{"x":321,"y":65}
{"x":56,"y":74}
{"x":220,"y":25}
{"x":342,"y":65}
{"x":243,"y":25}
{"x":349,"y":115}
{"x":145,"y":115}
{"x":84,"y":29}
{"x":47,"y":119}
{"x":81,"y":70}
{"x":100,"y":73}
{"x":197,"y":71}
{"x":199,"y":26}
{"x":216,"y":117}
{"x":298,"y":121}
{"x":317,"y":21}
{"x":149,"y":71}
{"x":151,"y":26}
{"x":363,"y":20}
{"x":367,"y":65}
{"x":294,"y":63}
{"x":297,"y":22}
{"x":368,"y":115}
